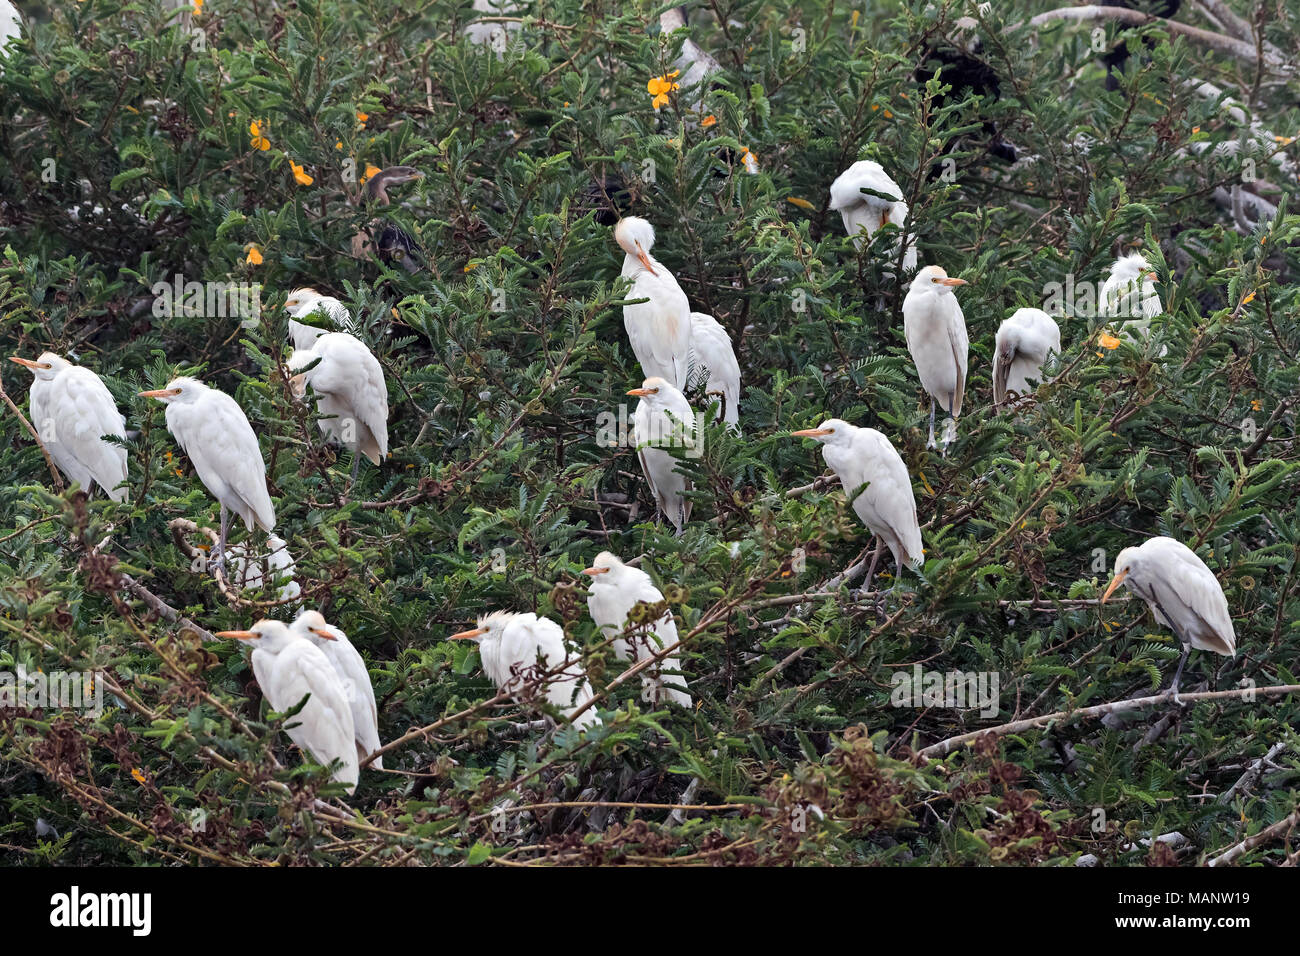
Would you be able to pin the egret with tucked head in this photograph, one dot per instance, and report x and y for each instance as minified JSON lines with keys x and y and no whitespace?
{"x":1183,"y":594}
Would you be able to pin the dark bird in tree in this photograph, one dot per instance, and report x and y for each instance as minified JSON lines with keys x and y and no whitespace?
{"x":389,"y":241}
{"x":1117,"y":56}
{"x":967,"y":73}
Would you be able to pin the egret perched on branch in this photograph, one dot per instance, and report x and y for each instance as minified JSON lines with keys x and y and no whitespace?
{"x":712,"y":352}
{"x":288,"y":667}
{"x":615,"y":590}
{"x":72,"y":410}
{"x":249,"y":571}
{"x":304,"y":302}
{"x":1129,"y":292}
{"x":659,"y":330}
{"x":936,"y":336}
{"x":664,"y":419}
{"x":520,"y":650}
{"x":1023,"y":343}
{"x":1183,"y":594}
{"x":351,"y":395}
{"x":213,"y":430}
{"x":865,"y":212}
{"x":353,"y":675}
{"x":887,"y":506}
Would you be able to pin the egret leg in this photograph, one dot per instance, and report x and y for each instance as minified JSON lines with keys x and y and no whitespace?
{"x":221,"y":540}
{"x":1187,"y":649}
{"x":356,"y":467}
{"x":930,"y":443}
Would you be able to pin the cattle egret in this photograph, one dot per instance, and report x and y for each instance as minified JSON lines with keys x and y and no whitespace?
{"x":288,"y":667}
{"x":712,"y":352}
{"x":493,"y":33}
{"x":518,"y":649}
{"x":660,"y":329}
{"x":274,"y":569}
{"x":664,"y":419}
{"x":213,"y":430}
{"x":936,"y":336}
{"x":351,"y":395}
{"x":1129,"y":292}
{"x":304,"y":302}
{"x":11,"y":24}
{"x":1183,"y":595}
{"x":887,"y":506}
{"x":615,"y":590}
{"x":865,"y":212}
{"x":1022,"y":346}
{"x":72,"y":410}
{"x":353,"y":675}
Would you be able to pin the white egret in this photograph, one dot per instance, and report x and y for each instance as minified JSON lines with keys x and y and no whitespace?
{"x":276,"y":568}
{"x":664,"y":419}
{"x":1129,"y":293}
{"x":518,"y":649}
{"x":72,"y":410}
{"x":302,"y":303}
{"x":712,"y":352}
{"x":11,"y":24}
{"x":288,"y":667}
{"x":493,"y":33}
{"x":351,"y":395}
{"x":1023,"y":343}
{"x":936,"y":336}
{"x":615,"y":590}
{"x":660,"y":329}
{"x":1183,"y":594}
{"x":214,"y":432}
{"x":865,"y":212}
{"x":353,"y":674}
{"x":887,"y":505}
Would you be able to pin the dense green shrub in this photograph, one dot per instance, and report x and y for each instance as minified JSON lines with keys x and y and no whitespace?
{"x":127,"y":157}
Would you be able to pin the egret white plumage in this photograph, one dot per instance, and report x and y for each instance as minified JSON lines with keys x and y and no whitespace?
{"x":353,"y":674}
{"x":1129,"y":293}
{"x":616,"y":588}
{"x":935,"y":329}
{"x":660,"y":329}
{"x":865,"y":212}
{"x":713,"y":354}
{"x":288,"y":667}
{"x":250,"y":571}
{"x":664,"y":419}
{"x":351,"y":395}
{"x":72,"y":410}
{"x":1021,"y":347}
{"x":302,"y":303}
{"x":11,"y":24}
{"x":1183,"y":594}
{"x":214,"y":432}
{"x":518,"y":649}
{"x":887,"y":505}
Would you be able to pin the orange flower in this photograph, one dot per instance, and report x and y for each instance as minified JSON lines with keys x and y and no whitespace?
{"x":198,"y":7}
{"x":300,"y":174}
{"x":801,"y":203}
{"x":254,"y":257}
{"x":708,"y":121}
{"x":139,"y":777}
{"x":259,"y":141}
{"x":1108,"y":341}
{"x":1250,"y":297}
{"x":1255,"y":405}
{"x":659,"y":87}
{"x":371,"y":170}
{"x":362,"y":117}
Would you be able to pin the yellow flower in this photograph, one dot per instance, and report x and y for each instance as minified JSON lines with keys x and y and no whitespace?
{"x":470,"y":267}
{"x":1195,"y":130}
{"x":198,"y":7}
{"x":1250,"y":297}
{"x":888,"y":115}
{"x":254,"y":257}
{"x":801,"y":203}
{"x":371,"y":170}
{"x":338,"y":144}
{"x":1108,"y":341}
{"x":362,"y":117}
{"x":659,"y":87}
{"x":300,"y":175}
{"x":139,"y":777}
{"x":1255,"y":405}
{"x":708,"y":121}
{"x":259,"y":141}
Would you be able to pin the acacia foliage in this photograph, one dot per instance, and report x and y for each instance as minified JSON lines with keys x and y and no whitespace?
{"x":504,"y":351}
